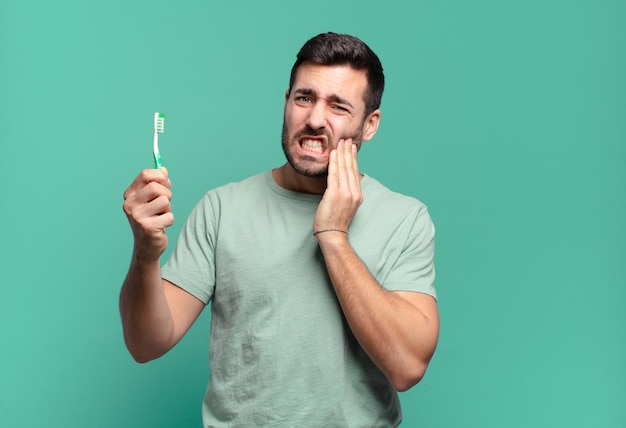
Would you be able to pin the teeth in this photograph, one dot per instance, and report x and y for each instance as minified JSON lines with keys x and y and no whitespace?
{"x":313,"y":145}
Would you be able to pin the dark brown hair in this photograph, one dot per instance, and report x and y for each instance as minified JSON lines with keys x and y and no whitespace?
{"x":343,"y":49}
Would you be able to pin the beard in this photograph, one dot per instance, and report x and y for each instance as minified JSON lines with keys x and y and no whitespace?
{"x":307,"y":166}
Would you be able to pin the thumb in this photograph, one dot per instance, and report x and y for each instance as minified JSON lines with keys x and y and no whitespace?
{"x":167,"y":175}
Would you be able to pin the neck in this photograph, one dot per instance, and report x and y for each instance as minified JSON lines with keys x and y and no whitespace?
{"x":287,"y":178}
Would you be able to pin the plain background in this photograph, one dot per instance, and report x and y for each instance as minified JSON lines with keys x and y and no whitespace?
{"x":507,"y":118}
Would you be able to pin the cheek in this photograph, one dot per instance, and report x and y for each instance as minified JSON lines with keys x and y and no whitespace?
{"x":292,"y":118}
{"x":347,"y":129}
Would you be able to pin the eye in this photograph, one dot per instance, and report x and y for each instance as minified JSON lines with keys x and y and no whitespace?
{"x":303,"y":99}
{"x":340,"y":108}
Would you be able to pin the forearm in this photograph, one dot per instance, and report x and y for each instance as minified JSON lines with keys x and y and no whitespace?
{"x":146,"y":317}
{"x":398,"y":337}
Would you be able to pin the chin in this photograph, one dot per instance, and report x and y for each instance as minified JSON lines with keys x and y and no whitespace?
{"x":305,"y":166}
{"x":308,"y":169}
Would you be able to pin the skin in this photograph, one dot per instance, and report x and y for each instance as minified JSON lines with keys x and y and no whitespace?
{"x":398,"y":330}
{"x":155,"y":313}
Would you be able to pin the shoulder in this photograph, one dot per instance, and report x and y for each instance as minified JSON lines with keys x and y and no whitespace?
{"x":230,"y":197}
{"x":246,"y":189}
{"x":380,"y":196}
{"x":252,"y":183}
{"x":393,"y":212}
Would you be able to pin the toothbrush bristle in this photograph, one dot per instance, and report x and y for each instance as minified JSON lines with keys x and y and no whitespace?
{"x":159,"y":124}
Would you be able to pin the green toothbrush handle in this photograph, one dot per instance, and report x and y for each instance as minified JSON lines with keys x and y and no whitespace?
{"x":157,"y":160}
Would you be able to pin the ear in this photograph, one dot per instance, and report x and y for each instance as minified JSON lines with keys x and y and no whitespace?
{"x":370,"y":125}
{"x":286,"y":100}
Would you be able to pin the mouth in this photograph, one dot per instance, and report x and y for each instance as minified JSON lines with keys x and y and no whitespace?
{"x":313,"y":145}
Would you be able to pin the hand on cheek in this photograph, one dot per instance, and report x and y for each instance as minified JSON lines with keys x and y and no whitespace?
{"x":343,"y":195}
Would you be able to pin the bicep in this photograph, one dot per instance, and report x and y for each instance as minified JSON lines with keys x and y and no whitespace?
{"x":184,"y":308}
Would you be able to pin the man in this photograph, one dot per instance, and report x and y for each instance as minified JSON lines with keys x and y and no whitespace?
{"x":320,"y":279}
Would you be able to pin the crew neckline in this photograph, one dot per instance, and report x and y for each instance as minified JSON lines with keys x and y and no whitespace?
{"x":311,"y":197}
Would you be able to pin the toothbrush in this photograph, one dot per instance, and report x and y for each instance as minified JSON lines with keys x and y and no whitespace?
{"x":159,"y":126}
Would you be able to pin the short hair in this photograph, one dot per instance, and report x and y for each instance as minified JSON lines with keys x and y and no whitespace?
{"x":343,"y":49}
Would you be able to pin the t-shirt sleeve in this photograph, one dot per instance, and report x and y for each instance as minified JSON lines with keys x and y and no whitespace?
{"x":414,"y":269}
{"x":191,"y":265}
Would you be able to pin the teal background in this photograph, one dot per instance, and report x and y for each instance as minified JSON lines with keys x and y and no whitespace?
{"x":507,"y":118}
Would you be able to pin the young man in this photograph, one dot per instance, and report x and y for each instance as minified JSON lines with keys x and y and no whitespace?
{"x":320,"y":278}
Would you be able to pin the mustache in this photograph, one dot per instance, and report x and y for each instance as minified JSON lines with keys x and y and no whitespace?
{"x":307,"y":130}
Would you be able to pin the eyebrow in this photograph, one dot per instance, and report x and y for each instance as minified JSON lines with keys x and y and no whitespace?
{"x":333,"y":97}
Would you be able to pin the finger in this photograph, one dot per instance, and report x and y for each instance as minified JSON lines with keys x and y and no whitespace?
{"x":145,"y":177}
{"x":348,"y":156}
{"x":332,"y":180}
{"x":156,"y":206}
{"x":152,"y":175}
{"x":151,"y":191}
{"x":145,"y":204}
{"x":353,"y":170}
{"x":355,"y":162}
{"x":343,"y":166}
{"x":152,"y":227}
{"x":349,"y":167}
{"x":150,"y":219}
{"x":153,"y":199}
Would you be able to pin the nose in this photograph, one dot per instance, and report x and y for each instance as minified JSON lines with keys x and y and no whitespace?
{"x":317,"y":117}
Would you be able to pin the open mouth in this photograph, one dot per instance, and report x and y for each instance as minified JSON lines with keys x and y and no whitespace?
{"x":313,"y":145}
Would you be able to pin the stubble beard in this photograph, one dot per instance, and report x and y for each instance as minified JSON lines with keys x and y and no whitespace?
{"x":308,"y":168}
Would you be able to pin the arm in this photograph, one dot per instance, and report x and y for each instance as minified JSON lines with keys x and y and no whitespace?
{"x":398,"y":330}
{"x":155,"y":313}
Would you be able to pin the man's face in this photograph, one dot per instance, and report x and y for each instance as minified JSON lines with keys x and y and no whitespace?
{"x":326,"y":104}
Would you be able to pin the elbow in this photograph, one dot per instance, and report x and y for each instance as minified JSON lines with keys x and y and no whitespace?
{"x":140,"y":358}
{"x":411,"y":368}
{"x":138,"y":355}
{"x":140,"y":352}
{"x":408,"y":377}
{"x":143,"y":357}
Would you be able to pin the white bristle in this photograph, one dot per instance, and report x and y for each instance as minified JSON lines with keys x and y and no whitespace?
{"x":159,"y":123}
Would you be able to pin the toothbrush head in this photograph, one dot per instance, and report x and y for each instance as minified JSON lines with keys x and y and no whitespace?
{"x":159,"y":123}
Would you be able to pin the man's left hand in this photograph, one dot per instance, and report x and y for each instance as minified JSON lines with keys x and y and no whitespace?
{"x":343,"y":196}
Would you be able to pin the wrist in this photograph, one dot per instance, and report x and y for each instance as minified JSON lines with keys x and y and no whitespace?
{"x":329,"y":230}
{"x":146,"y":256}
{"x":327,"y":238}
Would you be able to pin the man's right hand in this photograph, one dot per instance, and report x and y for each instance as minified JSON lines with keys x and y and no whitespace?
{"x":147,"y":206}
{"x":155,"y":313}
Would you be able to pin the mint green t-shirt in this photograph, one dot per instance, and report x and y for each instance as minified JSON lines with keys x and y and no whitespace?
{"x":281,"y":353}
